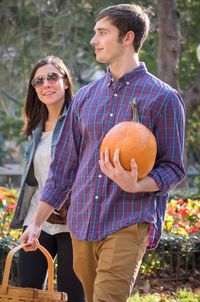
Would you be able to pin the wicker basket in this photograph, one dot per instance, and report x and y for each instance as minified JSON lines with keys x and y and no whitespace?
{"x":18,"y":294}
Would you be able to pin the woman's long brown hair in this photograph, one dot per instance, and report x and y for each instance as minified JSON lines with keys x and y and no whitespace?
{"x":35,"y":112}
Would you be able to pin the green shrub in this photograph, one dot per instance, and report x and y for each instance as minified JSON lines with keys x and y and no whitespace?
{"x":181,"y":295}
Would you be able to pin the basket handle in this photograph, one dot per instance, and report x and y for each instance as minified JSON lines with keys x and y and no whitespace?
{"x":9,"y":260}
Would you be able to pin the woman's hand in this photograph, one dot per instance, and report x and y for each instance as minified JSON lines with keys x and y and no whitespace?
{"x":32,"y":233}
{"x":30,"y":237}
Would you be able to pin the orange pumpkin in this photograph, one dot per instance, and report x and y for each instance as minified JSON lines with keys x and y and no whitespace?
{"x":134,"y":140}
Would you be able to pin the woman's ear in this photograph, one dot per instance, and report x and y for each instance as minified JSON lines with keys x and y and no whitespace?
{"x":66,"y":84}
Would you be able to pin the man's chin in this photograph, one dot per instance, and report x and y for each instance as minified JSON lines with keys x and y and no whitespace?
{"x":100,"y":60}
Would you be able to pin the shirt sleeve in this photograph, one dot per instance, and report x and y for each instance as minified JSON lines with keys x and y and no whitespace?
{"x":170,"y":135}
{"x":64,"y":162}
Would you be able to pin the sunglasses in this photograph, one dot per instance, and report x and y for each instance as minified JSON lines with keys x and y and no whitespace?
{"x":51,"y":77}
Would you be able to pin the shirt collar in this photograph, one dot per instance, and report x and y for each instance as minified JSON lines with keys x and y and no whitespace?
{"x":65,"y":110}
{"x":110,"y":78}
{"x":141,"y":69}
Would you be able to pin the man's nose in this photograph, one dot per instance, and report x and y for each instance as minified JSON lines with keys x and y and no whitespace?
{"x":93,"y":41}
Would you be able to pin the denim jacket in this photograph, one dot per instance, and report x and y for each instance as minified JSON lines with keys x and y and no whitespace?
{"x":29,"y":182}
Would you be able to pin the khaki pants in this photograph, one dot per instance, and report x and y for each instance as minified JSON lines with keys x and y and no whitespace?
{"x":108,"y":268}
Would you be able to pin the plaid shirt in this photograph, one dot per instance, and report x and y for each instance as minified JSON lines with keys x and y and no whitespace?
{"x":100,"y":207}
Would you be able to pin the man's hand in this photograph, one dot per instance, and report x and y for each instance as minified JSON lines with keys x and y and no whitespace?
{"x":126,"y":180}
{"x":30,"y":237}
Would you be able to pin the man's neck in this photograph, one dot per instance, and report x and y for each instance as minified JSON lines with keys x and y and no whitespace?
{"x":119,"y":68}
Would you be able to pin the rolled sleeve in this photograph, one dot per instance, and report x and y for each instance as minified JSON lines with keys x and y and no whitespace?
{"x":170,"y":134}
{"x":64,"y":163}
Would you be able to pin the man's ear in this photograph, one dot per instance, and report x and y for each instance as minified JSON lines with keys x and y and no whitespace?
{"x":129,"y":38}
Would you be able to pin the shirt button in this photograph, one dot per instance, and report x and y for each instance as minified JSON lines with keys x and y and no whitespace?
{"x":115,"y":94}
{"x":99,"y":175}
{"x":127,"y":83}
{"x":96,"y":197}
{"x":111,"y":114}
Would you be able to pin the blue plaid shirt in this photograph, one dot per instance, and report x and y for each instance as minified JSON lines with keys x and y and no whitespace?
{"x":100,"y":207}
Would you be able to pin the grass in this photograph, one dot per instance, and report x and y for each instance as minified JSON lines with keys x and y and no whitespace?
{"x":180,"y":296}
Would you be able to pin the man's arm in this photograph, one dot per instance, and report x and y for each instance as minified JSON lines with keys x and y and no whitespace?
{"x":64,"y":163}
{"x":126,"y":180}
{"x":32,"y":233}
{"x":169,"y":168}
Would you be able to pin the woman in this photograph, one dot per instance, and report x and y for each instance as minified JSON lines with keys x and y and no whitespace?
{"x":49,"y":96}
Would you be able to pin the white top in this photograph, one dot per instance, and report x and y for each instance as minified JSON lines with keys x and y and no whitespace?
{"x":41,"y":162}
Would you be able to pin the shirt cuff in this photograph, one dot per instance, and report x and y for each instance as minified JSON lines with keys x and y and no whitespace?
{"x":163,"y":186}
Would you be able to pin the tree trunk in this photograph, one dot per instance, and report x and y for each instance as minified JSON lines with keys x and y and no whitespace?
{"x":169,"y":42}
{"x":169,"y":49}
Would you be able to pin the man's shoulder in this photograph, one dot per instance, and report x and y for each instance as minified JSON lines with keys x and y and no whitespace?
{"x":91,"y":87}
{"x":165,"y":94}
{"x":161,"y":85}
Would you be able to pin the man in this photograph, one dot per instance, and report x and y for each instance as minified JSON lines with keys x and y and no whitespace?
{"x":113,"y":217}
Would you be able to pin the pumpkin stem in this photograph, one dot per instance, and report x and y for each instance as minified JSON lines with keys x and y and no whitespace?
{"x":135,"y":117}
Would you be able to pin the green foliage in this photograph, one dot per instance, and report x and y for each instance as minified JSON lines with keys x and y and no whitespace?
{"x":187,"y":296}
{"x":10,"y":126}
{"x":181,"y":295}
{"x":197,"y":181}
{"x":171,"y":250}
{"x":190,"y":28}
{"x":2,"y":150}
{"x":193,"y":135}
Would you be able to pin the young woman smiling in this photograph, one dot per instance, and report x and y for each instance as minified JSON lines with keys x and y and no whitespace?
{"x":49,"y":96}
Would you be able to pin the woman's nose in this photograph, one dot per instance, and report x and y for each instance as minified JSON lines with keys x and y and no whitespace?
{"x":46,"y":82}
